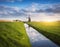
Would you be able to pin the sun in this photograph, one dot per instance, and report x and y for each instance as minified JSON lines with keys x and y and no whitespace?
{"x":49,"y":20}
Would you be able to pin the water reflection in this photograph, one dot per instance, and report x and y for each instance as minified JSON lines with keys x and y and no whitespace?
{"x":37,"y":39}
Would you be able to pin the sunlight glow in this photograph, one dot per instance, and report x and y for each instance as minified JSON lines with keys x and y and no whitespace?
{"x":50,"y":20}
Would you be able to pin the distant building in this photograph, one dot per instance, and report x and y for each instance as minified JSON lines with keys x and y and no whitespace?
{"x":17,"y":20}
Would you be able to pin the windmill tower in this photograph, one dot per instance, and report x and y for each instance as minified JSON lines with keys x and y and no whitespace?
{"x":29,"y":19}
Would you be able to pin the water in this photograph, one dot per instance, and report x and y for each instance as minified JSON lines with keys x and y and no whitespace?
{"x":37,"y":39}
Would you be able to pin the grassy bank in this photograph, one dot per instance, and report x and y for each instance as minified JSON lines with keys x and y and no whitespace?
{"x":13,"y":34}
{"x":50,"y":29}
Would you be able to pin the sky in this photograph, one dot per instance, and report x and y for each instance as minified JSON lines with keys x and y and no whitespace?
{"x":38,"y":10}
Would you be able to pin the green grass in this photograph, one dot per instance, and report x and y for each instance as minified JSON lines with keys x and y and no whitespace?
{"x":50,"y":29}
{"x":13,"y":34}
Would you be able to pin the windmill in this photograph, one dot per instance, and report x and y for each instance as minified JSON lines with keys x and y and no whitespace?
{"x":29,"y":19}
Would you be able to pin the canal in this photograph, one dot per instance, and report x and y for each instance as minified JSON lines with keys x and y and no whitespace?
{"x":37,"y":39}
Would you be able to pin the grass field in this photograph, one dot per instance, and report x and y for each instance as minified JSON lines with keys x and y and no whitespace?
{"x":50,"y":29}
{"x":13,"y":34}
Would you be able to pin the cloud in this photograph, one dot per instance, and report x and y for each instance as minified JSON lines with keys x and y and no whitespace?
{"x":43,"y":11}
{"x":37,"y":12}
{"x":44,"y":17}
{"x":40,"y":8}
{"x":9,"y":12}
{"x":11,"y":0}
